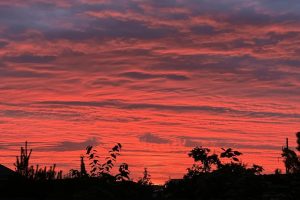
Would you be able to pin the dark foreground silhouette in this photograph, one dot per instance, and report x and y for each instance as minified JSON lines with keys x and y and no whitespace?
{"x":212,"y":176}
{"x":206,"y":186}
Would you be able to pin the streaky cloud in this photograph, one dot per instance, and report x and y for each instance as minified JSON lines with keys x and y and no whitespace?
{"x":174,"y":108}
{"x":70,"y":145}
{"x":151,"y":138}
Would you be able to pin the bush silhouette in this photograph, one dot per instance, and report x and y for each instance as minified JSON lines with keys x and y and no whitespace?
{"x":208,"y":163}
{"x":123,"y":173}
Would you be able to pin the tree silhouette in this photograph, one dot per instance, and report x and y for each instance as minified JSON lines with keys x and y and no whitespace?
{"x":208,"y":162}
{"x":200,"y":154}
{"x":146,"y":179}
{"x":22,"y":161}
{"x":212,"y":176}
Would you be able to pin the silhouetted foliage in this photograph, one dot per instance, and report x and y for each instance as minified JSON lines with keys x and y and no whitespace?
{"x":146,"y":179}
{"x":200,"y":154}
{"x":94,"y":161}
{"x":22,"y":161}
{"x":37,"y":173}
{"x":298,"y":140}
{"x":111,"y":159}
{"x":256,"y":169}
{"x":229,"y":153}
{"x":291,"y":160}
{"x":83,"y":172}
{"x":123,"y":173}
{"x":212,"y":177}
{"x":73,"y":173}
{"x":44,"y":173}
{"x":213,"y":163}
{"x":235,"y":165}
{"x":102,"y":170}
{"x":277,"y":171}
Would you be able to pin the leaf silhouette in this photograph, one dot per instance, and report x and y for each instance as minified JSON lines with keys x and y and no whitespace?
{"x":119,"y":144}
{"x":113,"y":155}
{"x":235,"y":159}
{"x":88,"y":149}
{"x":237,"y":153}
{"x":91,"y":156}
{"x":109,"y":162}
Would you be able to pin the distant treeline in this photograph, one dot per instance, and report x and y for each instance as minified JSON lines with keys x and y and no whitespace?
{"x":212,"y":176}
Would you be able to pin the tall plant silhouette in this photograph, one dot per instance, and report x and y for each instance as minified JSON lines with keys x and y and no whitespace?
{"x":37,"y":173}
{"x":291,"y":159}
{"x":83,"y":171}
{"x":146,"y":179}
{"x":44,"y":173}
{"x":99,"y":169}
{"x":22,"y":161}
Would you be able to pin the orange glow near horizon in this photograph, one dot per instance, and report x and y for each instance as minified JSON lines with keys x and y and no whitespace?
{"x":160,"y":77}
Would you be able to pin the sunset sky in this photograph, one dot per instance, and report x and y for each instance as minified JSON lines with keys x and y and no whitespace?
{"x":158,"y":76}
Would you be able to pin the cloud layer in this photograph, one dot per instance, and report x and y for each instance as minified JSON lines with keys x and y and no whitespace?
{"x":183,"y":71}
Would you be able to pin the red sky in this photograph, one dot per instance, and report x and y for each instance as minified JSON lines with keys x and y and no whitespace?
{"x":160,"y":77}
